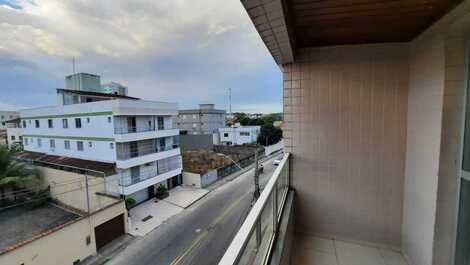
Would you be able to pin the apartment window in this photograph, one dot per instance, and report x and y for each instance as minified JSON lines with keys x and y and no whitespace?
{"x":111,"y":145}
{"x":225,"y":134}
{"x":39,"y":142}
{"x":67,"y":144}
{"x":65,"y":123}
{"x":78,"y":123}
{"x":52,"y":143}
{"x":90,"y":144}
{"x":25,"y":141}
{"x":36,"y":122}
{"x":87,"y":120}
{"x":79,"y":145}
{"x":3,"y":123}
{"x":109,"y":119}
{"x":244,"y":133}
{"x":29,"y":121}
{"x":3,"y":117}
{"x":50,"y":123}
{"x":12,"y":137}
{"x":24,"y":124}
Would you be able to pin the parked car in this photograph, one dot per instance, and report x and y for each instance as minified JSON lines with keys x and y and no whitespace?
{"x":276,"y":162}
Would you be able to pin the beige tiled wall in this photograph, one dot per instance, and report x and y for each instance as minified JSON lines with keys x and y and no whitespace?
{"x":345,"y":123}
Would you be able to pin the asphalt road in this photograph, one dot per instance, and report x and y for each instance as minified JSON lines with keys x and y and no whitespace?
{"x":201,"y":233}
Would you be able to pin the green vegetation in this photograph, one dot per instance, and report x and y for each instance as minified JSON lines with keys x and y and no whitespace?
{"x":16,"y":177}
{"x":245,"y":120}
{"x":269,"y":135}
{"x":130,"y":202}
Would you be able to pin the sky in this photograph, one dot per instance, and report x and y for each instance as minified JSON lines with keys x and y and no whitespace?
{"x":184,"y":51}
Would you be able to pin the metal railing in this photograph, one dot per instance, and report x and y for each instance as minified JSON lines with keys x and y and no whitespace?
{"x":253,"y":243}
{"x":142,"y":151}
{"x":139,"y":129}
{"x":161,"y":167}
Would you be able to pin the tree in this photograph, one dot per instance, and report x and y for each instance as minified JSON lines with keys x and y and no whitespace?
{"x":269,"y":135}
{"x":14,"y":174}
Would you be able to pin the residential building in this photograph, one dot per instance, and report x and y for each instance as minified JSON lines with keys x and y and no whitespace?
{"x":81,"y":214}
{"x":6,"y":115}
{"x":376,"y":133}
{"x":204,"y":120}
{"x":137,"y":136}
{"x":238,"y":135}
{"x":14,"y":132}
{"x":114,"y":88}
{"x":84,"y":82}
{"x":69,"y":96}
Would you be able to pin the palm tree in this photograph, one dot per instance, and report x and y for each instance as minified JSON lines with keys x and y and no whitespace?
{"x":16,"y":175}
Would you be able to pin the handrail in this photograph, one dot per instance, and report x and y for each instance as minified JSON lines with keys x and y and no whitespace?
{"x":234,"y":251}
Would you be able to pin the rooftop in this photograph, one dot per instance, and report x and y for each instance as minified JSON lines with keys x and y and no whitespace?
{"x":95,"y":94}
{"x":68,"y":162}
{"x":22,"y":223}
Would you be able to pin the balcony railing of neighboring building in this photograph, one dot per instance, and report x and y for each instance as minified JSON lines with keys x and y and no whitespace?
{"x":139,"y":129}
{"x":135,"y":149}
{"x":253,"y":242}
{"x":157,"y":168}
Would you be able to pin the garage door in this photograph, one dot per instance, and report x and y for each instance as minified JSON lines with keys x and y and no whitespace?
{"x":109,"y":231}
{"x":140,"y":196}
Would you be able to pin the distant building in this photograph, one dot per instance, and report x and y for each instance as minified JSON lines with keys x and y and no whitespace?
{"x":238,"y":135}
{"x":6,"y":115}
{"x":83,"y":82}
{"x":255,"y":115}
{"x":204,"y":120}
{"x":114,"y":88}
{"x":14,"y":132}
{"x":70,"y":96}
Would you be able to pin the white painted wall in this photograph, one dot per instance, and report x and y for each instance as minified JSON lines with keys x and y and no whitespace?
{"x":233,"y":134}
{"x":192,"y":179}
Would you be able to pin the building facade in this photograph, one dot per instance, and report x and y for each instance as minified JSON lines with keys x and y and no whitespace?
{"x":14,"y":133}
{"x":205,"y":120}
{"x":6,"y":116}
{"x":239,"y":135}
{"x":137,"y":136}
{"x":114,"y":88}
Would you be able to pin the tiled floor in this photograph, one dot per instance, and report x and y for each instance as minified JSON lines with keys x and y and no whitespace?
{"x":319,"y":251}
{"x":185,"y":196}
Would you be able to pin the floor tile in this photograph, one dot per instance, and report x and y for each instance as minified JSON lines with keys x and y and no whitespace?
{"x":353,"y":254}
{"x":392,"y":258}
{"x":315,"y":243}
{"x":313,"y":257}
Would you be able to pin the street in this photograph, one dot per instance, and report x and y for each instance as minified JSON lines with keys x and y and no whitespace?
{"x":200,"y":234}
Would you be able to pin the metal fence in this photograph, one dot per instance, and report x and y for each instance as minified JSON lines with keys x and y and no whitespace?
{"x":234,"y":167}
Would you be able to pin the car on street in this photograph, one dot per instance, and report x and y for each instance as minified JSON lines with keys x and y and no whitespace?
{"x":276,"y":162}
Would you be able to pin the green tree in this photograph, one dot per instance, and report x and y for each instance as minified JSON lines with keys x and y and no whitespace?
{"x":16,"y":175}
{"x":269,"y":135}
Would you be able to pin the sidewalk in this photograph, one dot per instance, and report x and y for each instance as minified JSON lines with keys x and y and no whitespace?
{"x":152,"y":213}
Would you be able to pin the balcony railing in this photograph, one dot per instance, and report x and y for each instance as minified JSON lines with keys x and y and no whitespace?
{"x":127,"y":129}
{"x":254,"y":240}
{"x":161,"y":167}
{"x":145,"y":151}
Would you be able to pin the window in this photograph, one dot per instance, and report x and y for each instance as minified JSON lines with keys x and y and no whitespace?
{"x":244,"y":133}
{"x":3,"y":117}
{"x":25,"y":141}
{"x":90,"y":144}
{"x":39,"y":141}
{"x":78,"y":123}
{"x":50,"y":124}
{"x":52,"y":143}
{"x":87,"y":120}
{"x":36,"y":122}
{"x":29,"y":121}
{"x":79,"y":145}
{"x":65,"y":123}
{"x":12,"y":137}
{"x":111,"y":145}
{"x":67,"y":144}
{"x":109,"y":119}
{"x":225,"y":134}
{"x":184,"y":116}
{"x":24,"y":124}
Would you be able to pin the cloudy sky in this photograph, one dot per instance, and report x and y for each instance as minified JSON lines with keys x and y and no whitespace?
{"x":185,"y":51}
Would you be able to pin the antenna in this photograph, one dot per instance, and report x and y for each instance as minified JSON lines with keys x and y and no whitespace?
{"x":230,"y":101}
{"x":73,"y":65}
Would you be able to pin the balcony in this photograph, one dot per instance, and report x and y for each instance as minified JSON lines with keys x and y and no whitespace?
{"x":137,"y":153}
{"x":268,"y":235}
{"x":129,"y":134}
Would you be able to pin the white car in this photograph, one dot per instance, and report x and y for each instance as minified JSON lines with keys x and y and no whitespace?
{"x":276,"y":162}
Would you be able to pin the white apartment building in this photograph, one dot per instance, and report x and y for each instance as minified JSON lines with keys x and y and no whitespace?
{"x":6,"y":115}
{"x":238,"y":135}
{"x":136,"y":136}
{"x":14,"y":132}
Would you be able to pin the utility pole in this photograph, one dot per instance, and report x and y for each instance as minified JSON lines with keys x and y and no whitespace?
{"x":256,"y":194}
{"x":230,"y":101}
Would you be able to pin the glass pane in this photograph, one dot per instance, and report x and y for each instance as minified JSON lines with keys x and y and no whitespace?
{"x":249,"y":253}
{"x":466,"y":147}
{"x":462,"y":255}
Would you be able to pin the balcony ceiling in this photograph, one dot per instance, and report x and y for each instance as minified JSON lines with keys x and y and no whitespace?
{"x":285,"y":25}
{"x":336,"y":22}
